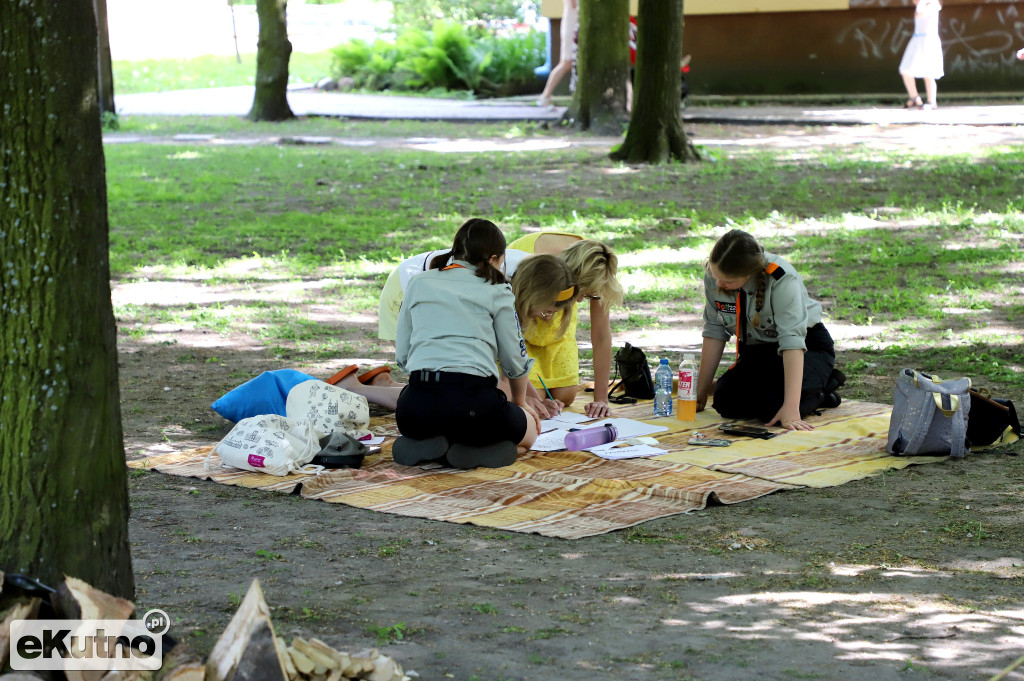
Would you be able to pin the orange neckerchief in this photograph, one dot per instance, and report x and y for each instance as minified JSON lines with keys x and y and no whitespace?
{"x":770,"y":269}
{"x":739,"y":325}
{"x":454,"y":265}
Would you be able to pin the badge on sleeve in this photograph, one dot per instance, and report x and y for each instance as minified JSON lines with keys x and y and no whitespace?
{"x":725,"y":308}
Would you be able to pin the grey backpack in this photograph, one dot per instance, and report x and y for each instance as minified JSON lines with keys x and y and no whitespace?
{"x":929,"y":415}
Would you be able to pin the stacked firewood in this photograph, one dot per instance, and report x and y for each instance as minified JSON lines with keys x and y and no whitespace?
{"x":248,"y":650}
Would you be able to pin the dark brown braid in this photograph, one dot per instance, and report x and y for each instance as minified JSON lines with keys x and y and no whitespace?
{"x":476,"y":242}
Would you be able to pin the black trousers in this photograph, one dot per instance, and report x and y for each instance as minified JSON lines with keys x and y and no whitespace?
{"x":754,"y":388}
{"x":466,"y":409}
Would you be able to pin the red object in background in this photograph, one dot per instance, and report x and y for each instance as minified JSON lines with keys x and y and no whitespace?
{"x":684,"y":67}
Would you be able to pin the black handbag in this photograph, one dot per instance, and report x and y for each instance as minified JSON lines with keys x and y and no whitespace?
{"x":634,"y":373}
{"x":341,"y":450}
{"x":991,"y":421}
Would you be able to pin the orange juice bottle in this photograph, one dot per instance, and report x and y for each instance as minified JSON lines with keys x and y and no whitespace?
{"x":686,"y":395}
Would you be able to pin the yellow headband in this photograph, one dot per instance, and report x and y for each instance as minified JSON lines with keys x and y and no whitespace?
{"x":566,"y":294}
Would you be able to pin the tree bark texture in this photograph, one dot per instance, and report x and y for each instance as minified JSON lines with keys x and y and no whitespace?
{"x":656,"y":132}
{"x":602,"y":67}
{"x":273,"y":50}
{"x":63,"y":480}
{"x":106,"y":68}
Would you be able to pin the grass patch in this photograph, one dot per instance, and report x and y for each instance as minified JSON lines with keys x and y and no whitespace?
{"x":159,"y":75}
{"x":925,"y":272}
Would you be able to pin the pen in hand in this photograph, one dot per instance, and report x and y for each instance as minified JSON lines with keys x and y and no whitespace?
{"x":541,"y":379}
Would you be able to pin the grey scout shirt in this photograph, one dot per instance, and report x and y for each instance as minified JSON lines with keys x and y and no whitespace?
{"x":786,"y":315}
{"x":453,"y":320}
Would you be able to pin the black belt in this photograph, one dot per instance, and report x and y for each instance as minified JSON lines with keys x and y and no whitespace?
{"x":429,"y":376}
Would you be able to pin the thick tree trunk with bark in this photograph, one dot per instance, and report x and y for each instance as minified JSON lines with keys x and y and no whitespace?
{"x":106,"y":69}
{"x":656,"y":132}
{"x":272,"y":53}
{"x":602,"y":67}
{"x":63,"y":480}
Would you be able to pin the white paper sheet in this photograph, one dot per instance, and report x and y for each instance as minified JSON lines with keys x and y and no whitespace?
{"x":610,"y":451}
{"x":563,"y":420}
{"x":551,"y":441}
{"x":373,"y":440}
{"x":571,"y":417}
{"x":629,"y":427}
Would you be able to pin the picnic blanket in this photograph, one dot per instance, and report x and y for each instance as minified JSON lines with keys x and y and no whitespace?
{"x":576,"y":494}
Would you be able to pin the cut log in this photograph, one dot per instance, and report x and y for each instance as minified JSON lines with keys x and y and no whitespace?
{"x":137,"y":675}
{"x":80,"y":675}
{"x":301,"y":662}
{"x":252,"y":620}
{"x":180,"y":664}
{"x":318,"y":657}
{"x":27,"y":610}
{"x":383,"y":669}
{"x":260,"y":661}
{"x":343,"y":659}
{"x":76,"y":600}
{"x":289,"y":666}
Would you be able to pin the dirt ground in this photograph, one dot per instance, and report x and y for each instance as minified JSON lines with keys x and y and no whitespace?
{"x":915,"y":574}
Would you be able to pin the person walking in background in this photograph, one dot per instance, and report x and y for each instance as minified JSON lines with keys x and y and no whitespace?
{"x":570,"y":22}
{"x":923,"y":56}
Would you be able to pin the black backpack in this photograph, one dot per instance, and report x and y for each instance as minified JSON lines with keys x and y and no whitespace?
{"x":634,"y":373}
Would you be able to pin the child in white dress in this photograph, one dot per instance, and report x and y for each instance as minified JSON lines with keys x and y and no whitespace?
{"x":923,"y":56}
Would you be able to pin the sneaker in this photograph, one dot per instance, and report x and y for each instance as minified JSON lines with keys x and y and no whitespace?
{"x":409,"y":452}
{"x":489,"y":456}
{"x":831,"y":401}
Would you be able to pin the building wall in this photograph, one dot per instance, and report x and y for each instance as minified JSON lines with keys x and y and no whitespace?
{"x":853,"y":47}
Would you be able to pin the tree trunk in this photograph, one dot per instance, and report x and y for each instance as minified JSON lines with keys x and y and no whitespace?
{"x":602,"y":67}
{"x":106,"y":69}
{"x":64,"y":501}
{"x":656,"y":131}
{"x":272,"y":53}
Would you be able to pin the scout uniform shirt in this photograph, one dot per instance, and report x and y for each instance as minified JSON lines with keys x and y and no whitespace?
{"x":784,"y":318}
{"x":453,"y":320}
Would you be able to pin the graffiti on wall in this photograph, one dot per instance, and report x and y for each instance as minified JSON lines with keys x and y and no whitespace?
{"x":967,"y":48}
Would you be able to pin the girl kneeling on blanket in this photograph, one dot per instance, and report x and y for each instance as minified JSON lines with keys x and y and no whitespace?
{"x":551,"y":340}
{"x":785,"y":366}
{"x":456,"y":321}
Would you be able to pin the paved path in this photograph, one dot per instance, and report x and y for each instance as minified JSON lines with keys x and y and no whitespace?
{"x":236,"y":101}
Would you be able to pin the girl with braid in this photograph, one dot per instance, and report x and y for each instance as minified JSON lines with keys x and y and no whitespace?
{"x":550,"y":337}
{"x":457,"y":322}
{"x":785,"y":358}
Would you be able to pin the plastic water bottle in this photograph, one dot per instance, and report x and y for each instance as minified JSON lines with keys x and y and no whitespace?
{"x":686,"y":410}
{"x":663,"y":389}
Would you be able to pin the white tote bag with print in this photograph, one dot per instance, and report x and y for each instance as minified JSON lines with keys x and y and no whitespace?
{"x":270,"y":444}
{"x":330,"y":408}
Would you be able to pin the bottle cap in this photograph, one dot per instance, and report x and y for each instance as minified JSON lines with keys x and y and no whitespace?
{"x":664,"y":360}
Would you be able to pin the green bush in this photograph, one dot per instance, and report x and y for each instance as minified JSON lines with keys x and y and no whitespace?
{"x":449,"y":61}
{"x":447,"y":57}
{"x":514,"y":56}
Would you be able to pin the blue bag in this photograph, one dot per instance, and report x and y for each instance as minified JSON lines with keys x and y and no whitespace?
{"x":265,"y":394}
